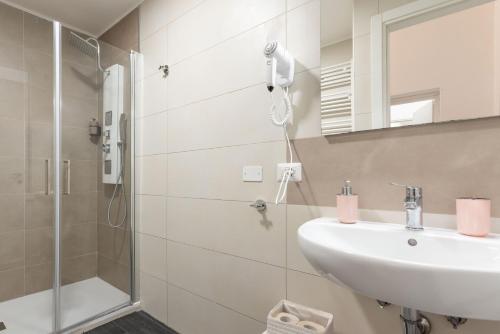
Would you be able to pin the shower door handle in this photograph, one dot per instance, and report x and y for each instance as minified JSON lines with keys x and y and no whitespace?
{"x":67,"y":177}
{"x":47,"y":177}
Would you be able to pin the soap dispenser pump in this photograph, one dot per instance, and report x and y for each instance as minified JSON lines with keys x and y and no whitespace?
{"x":347,"y":204}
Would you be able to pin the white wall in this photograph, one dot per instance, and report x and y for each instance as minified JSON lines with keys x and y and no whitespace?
{"x":336,"y":53}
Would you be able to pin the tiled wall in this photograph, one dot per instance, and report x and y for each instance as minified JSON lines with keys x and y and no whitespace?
{"x":209,"y":263}
{"x":26,"y":227}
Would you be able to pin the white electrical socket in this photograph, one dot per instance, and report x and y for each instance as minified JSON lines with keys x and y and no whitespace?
{"x":296,"y":171}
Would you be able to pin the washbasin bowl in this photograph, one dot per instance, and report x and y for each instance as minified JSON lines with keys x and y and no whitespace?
{"x":434,"y":270}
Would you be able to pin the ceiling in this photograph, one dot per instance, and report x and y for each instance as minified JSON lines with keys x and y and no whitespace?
{"x":92,"y":17}
{"x":336,"y":21}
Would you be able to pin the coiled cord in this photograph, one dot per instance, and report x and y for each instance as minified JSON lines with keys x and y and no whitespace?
{"x":124,"y":192}
{"x":283,"y":122}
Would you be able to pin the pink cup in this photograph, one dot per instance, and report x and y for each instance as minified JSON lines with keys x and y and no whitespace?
{"x":474,"y":216}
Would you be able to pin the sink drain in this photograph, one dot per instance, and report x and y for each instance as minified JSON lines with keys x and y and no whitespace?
{"x":412,"y":242}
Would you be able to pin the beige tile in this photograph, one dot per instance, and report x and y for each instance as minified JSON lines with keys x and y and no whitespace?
{"x":11,"y":56}
{"x":79,"y":208}
{"x":37,"y":34}
{"x":154,"y":297}
{"x":11,"y":24}
{"x":78,"y":268}
{"x":306,"y":101}
{"x":11,"y":175}
{"x":114,"y":273}
{"x":151,"y":215}
{"x":153,"y":256}
{"x":39,"y":68}
{"x":197,"y":31}
{"x":216,"y":173}
{"x":124,"y":34}
{"x":11,"y":99}
{"x":154,"y":14}
{"x":79,"y":81}
{"x":303,"y":35}
{"x":39,"y":277}
{"x":373,"y":159}
{"x":363,"y":10}
{"x":83,"y":176}
{"x":296,"y":216}
{"x":229,"y":227}
{"x":77,"y":145}
{"x":39,"y":246}
{"x":12,"y":138}
{"x":353,"y":314}
{"x":12,"y":250}
{"x":151,"y":132}
{"x":246,"y":286}
{"x":151,"y":175}
{"x":78,"y":240}
{"x":197,"y":125}
{"x":12,"y":283}
{"x":77,"y":112}
{"x":39,"y":140}
{"x":231,"y":65}
{"x":154,"y":50}
{"x":12,"y":208}
{"x":40,"y":107}
{"x":114,"y":243}
{"x":210,"y":317}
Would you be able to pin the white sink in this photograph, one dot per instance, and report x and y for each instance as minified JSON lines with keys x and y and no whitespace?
{"x":444,"y":273}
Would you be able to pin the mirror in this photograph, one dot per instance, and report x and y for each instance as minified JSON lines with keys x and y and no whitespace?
{"x":410,"y":63}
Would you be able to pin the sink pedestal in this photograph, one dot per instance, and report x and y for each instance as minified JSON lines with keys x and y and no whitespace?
{"x":414,"y":322}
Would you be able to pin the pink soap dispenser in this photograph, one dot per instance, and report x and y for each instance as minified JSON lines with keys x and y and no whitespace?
{"x":347,"y":205}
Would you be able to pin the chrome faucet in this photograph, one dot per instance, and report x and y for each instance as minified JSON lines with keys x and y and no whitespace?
{"x":413,"y":207}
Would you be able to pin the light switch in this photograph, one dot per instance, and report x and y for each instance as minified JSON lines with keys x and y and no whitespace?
{"x":252,"y":174}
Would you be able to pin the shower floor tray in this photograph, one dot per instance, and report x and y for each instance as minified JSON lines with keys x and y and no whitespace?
{"x":33,"y":314}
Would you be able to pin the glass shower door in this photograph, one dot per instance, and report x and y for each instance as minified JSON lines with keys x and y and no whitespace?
{"x":95,"y":180}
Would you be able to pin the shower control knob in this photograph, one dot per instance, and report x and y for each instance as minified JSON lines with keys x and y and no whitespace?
{"x":107,"y":134}
{"x":106,"y":148}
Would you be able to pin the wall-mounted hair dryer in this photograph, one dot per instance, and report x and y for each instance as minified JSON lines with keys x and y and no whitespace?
{"x":280,"y":66}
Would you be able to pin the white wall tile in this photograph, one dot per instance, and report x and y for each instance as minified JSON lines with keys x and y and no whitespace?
{"x":291,"y":4}
{"x":191,"y":314}
{"x":153,"y":256}
{"x":352,"y":313}
{"x":151,"y":175}
{"x":151,"y":215}
{"x":229,"y":227}
{"x":154,"y":50}
{"x":362,"y":94}
{"x":306,"y":100}
{"x":243,"y":114}
{"x":216,"y":173}
{"x":303,"y":35}
{"x":249,"y":287}
{"x":234,"y":64}
{"x":362,"y":55}
{"x":155,"y":14}
{"x":154,"y":297}
{"x":151,"y":134}
{"x":197,"y":31}
{"x":154,"y":95}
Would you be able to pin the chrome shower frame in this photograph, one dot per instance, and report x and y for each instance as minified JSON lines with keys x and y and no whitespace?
{"x":133,"y":303}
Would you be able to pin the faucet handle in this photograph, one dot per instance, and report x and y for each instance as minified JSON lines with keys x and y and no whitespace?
{"x":413,"y":193}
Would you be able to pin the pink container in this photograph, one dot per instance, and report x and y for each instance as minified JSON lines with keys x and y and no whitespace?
{"x":347,"y":208}
{"x":474,"y":216}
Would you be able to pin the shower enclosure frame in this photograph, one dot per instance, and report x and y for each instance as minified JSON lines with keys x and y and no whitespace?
{"x":57,"y":144}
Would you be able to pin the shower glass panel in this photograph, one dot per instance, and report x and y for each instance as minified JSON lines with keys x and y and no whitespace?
{"x":95,"y":178}
{"x":66,"y":231}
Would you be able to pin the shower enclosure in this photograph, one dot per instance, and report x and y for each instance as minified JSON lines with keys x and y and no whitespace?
{"x":66,"y":188}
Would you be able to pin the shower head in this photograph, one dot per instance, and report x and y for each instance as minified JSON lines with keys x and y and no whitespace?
{"x":89,"y":46}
